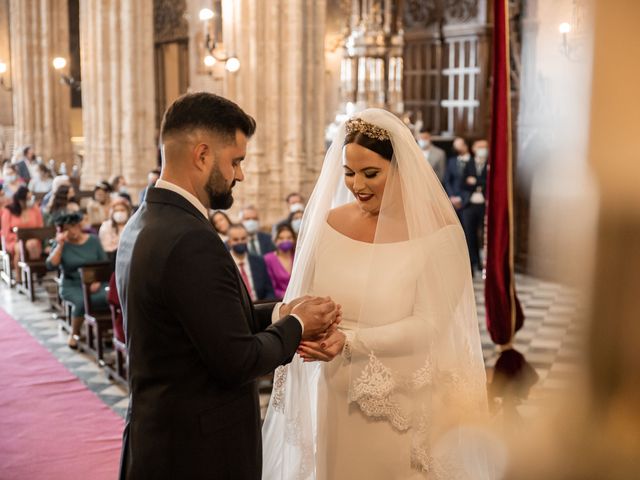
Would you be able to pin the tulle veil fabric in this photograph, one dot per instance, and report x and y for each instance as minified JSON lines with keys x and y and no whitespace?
{"x":424,"y":374}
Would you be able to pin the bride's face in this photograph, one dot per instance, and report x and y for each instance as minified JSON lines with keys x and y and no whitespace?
{"x":365,"y":174}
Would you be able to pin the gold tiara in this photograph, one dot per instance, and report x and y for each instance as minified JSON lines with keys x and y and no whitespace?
{"x":368,"y":129}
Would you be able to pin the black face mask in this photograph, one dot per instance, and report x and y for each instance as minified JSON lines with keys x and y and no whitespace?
{"x":219,"y":197}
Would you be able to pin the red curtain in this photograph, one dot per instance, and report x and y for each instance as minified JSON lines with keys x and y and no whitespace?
{"x":504,"y":313}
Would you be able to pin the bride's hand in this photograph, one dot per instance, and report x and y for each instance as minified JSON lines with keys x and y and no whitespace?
{"x":324,"y":350}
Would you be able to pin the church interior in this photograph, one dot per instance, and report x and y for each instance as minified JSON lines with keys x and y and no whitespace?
{"x":84,"y":85}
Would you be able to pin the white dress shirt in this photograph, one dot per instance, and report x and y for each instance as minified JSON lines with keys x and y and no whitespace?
{"x":193,"y":200}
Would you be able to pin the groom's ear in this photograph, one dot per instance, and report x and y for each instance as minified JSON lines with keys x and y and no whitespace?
{"x":199,"y":156}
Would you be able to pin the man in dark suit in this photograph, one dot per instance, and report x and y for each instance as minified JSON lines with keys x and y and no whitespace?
{"x":259,"y":242}
{"x":453,"y":175}
{"x":474,"y":184}
{"x":251,"y":267}
{"x":196,"y":345}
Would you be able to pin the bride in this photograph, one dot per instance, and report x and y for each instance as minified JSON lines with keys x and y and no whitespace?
{"x":400,"y":398}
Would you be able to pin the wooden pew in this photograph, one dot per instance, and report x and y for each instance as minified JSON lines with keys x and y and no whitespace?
{"x":6,"y":272}
{"x":27,"y":267}
{"x":120,"y":371}
{"x":98,"y":322}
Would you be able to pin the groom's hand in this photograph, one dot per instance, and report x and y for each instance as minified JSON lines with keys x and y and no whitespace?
{"x":324,"y":350}
{"x":318,"y":314}
{"x":286,"y":308}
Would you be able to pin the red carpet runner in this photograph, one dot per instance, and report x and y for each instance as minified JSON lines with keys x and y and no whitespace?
{"x":51,"y":426}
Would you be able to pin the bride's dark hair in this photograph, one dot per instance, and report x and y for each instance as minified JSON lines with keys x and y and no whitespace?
{"x":384,"y":148}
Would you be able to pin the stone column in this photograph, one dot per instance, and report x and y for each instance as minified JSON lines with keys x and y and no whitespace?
{"x":280,"y":45}
{"x":117,"y":90}
{"x":41,"y":107}
{"x":6,"y":100}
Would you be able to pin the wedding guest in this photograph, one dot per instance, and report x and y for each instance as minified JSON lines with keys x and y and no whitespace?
{"x":119,"y":187}
{"x":63,"y":201}
{"x":259,"y":242}
{"x":221,"y":222}
{"x":280,"y":262}
{"x":432,"y":154}
{"x":295,"y":220}
{"x":21,"y":213}
{"x":152,"y":178}
{"x":111,"y":229}
{"x":252,"y":267}
{"x":99,"y":206}
{"x":453,"y":175}
{"x":73,"y":249}
{"x":58,"y":181}
{"x":475,"y":181}
{"x":295,"y":203}
{"x":26,"y":163}
{"x":11,"y":181}
{"x":41,"y":180}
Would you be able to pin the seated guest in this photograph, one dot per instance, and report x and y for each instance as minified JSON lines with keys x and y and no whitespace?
{"x":295,"y":220}
{"x":58,"y":181}
{"x":280,"y":263}
{"x":252,"y":268}
{"x":72,"y":250}
{"x":41,"y":180}
{"x":152,"y":178}
{"x":11,"y":181}
{"x":21,"y":213}
{"x":3,"y":199}
{"x":63,"y":201}
{"x":119,"y":187}
{"x":259,"y":242}
{"x":99,"y":206}
{"x":221,"y":223}
{"x":295,"y":203}
{"x":111,"y":229}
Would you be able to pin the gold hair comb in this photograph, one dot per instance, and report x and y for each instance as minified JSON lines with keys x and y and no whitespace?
{"x":368,"y":129}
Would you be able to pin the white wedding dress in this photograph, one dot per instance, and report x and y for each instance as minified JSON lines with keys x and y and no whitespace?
{"x":401,"y":402}
{"x":352,"y":445}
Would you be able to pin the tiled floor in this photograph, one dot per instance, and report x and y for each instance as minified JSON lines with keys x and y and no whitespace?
{"x":550,"y":339}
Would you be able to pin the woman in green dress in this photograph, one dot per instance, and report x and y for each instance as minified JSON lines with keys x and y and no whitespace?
{"x":73,"y":249}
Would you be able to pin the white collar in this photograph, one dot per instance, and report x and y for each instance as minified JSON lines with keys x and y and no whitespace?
{"x":193,"y":200}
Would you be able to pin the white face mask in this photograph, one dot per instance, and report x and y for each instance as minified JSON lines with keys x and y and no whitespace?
{"x":295,"y":224}
{"x":296,"y":207}
{"x":482,"y":152}
{"x":424,"y":143}
{"x":31,"y":202}
{"x":120,"y":217}
{"x":252,"y":226}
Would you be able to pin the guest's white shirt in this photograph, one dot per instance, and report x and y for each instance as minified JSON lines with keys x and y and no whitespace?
{"x":193,"y":200}
{"x":247,"y":269}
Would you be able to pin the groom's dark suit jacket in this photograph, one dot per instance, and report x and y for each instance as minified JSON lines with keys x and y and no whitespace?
{"x":196,"y":346}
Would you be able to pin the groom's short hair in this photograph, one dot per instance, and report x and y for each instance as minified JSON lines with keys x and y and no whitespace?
{"x":203,"y":110}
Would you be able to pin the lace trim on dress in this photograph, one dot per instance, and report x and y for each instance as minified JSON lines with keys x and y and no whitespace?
{"x":279,"y":380}
{"x":373,"y":392}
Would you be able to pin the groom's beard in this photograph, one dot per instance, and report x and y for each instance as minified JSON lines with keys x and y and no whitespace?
{"x":220,"y":197}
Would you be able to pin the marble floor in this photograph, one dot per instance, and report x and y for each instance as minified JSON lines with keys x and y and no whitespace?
{"x":550,"y":340}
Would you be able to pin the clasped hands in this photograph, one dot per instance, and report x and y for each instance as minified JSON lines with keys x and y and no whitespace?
{"x":321,"y":316}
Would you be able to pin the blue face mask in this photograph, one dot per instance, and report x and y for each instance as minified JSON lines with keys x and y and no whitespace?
{"x":240,"y":248}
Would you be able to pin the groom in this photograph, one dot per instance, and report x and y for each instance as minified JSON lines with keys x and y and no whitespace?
{"x":196,"y":344}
